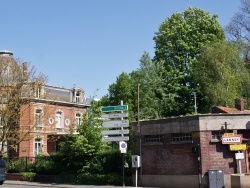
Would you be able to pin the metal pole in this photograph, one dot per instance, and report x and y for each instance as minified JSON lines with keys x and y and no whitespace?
{"x":138,"y":120}
{"x":199,"y":165}
{"x":123,"y":174}
{"x":136,"y":177}
{"x":239,"y":163}
{"x":138,"y":109}
{"x":195,"y":105}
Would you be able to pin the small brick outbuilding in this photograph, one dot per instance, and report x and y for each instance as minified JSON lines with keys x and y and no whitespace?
{"x":167,"y":157}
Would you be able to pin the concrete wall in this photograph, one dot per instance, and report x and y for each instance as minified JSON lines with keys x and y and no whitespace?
{"x":240,"y":181}
{"x":173,"y":164}
{"x":170,"y":181}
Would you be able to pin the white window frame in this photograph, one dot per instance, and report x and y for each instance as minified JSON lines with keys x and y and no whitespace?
{"x":38,"y":117}
{"x":38,"y":147}
{"x":77,"y":97}
{"x":59,"y":119}
{"x":78,"y":119}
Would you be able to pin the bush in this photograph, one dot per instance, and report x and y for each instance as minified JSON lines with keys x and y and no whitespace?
{"x":20,"y":165}
{"x":48,"y":166}
{"x":28,"y":176}
{"x":99,"y":179}
{"x":16,"y":166}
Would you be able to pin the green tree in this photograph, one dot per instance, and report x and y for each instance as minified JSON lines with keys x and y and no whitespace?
{"x":18,"y":86}
{"x":80,"y":150}
{"x":150,"y":92}
{"x":221,"y":74}
{"x":178,"y":44}
{"x":238,"y":29}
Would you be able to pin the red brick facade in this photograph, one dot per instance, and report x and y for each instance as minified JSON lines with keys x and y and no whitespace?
{"x":163,"y":155}
{"x":47,"y":131}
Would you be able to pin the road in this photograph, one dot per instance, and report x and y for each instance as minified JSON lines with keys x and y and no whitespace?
{"x":16,"y":186}
{"x":25,"y":184}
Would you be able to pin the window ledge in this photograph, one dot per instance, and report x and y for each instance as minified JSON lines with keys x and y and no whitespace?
{"x":40,"y":126}
{"x":153,"y":143}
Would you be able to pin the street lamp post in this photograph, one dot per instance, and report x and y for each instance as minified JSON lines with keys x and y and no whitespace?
{"x":195,"y":105}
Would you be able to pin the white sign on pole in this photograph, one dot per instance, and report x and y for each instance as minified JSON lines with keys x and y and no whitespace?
{"x":114,"y":132}
{"x":115,"y":123}
{"x":123,"y":151}
{"x":231,"y":140}
{"x":239,"y":156}
{"x":119,"y":115}
{"x":114,"y":139}
{"x":123,"y":146}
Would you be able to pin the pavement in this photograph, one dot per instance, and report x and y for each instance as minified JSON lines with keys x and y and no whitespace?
{"x":58,"y":185}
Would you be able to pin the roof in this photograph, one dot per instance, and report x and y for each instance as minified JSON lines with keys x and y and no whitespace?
{"x":228,"y":110}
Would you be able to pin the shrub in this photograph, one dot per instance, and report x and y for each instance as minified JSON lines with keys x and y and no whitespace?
{"x":16,"y":166}
{"x":28,"y":176}
{"x":48,"y":166}
{"x":99,"y":179}
{"x":20,"y":165}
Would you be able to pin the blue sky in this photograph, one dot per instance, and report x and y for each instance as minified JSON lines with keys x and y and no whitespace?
{"x":91,"y":42}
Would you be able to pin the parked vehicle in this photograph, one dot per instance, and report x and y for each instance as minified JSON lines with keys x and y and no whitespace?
{"x":2,"y":171}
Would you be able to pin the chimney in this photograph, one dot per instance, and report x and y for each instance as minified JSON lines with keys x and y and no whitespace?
{"x":239,"y":104}
{"x":25,"y":71}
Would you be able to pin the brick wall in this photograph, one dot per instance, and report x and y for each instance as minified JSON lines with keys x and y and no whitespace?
{"x":216,"y":155}
{"x":27,"y":114}
{"x":177,"y":159}
{"x":168,"y":158}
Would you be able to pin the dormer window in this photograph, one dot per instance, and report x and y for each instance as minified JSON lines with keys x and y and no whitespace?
{"x":77,"y":97}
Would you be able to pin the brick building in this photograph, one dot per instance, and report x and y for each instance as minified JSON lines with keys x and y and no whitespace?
{"x":50,"y":113}
{"x":165,"y":147}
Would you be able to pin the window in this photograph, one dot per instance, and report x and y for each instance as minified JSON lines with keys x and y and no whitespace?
{"x":216,"y":135}
{"x":181,"y":137}
{"x":151,"y":139}
{"x":78,"y":119}
{"x":77,"y":97}
{"x":38,"y":146}
{"x":59,"y":119}
{"x":38,"y":117}
{"x":37,"y":91}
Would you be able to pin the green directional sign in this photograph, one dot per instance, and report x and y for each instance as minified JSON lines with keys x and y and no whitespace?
{"x":114,"y":108}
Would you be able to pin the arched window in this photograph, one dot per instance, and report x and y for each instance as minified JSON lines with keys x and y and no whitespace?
{"x":78,"y":119}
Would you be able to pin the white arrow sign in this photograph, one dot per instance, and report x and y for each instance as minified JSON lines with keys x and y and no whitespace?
{"x":114,"y":139}
{"x":113,"y":132}
{"x":116,"y":123}
{"x":119,"y":115}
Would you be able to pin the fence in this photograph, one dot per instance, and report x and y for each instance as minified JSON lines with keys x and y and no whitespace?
{"x":20,"y":164}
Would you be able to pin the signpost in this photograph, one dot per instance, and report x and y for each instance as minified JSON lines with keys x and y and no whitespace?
{"x":119,"y":122}
{"x":114,"y":132}
{"x":238,"y":147}
{"x":231,"y":139}
{"x":109,"y":116}
{"x":115,"y":124}
{"x":115,"y":138}
{"x":114,"y":108}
